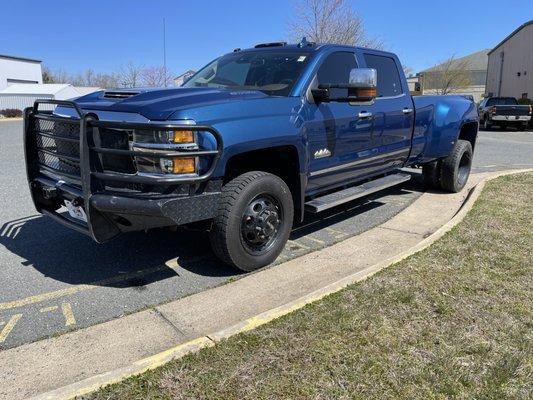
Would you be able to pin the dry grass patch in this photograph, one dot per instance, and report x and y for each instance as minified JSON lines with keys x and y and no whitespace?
{"x":453,"y":321}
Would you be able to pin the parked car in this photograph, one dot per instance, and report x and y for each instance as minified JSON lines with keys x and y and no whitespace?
{"x":249,"y":144}
{"x":504,"y":112}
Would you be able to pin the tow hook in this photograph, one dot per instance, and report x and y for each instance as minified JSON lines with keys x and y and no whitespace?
{"x":49,"y":192}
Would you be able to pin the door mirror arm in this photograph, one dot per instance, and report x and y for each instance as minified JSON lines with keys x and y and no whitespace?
{"x":320,"y":95}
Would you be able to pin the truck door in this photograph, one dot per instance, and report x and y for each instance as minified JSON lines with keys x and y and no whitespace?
{"x":339,"y":134}
{"x":393,"y":111}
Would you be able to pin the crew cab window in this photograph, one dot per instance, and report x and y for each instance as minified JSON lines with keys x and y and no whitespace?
{"x":502,"y":101}
{"x":336,"y":70}
{"x":389,"y":83}
{"x":268,"y":71}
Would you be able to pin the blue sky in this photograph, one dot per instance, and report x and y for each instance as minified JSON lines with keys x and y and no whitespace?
{"x":102,"y":35}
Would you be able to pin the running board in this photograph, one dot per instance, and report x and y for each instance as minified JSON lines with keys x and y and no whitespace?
{"x":336,"y":198}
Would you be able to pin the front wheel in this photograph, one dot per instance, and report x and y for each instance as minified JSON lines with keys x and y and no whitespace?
{"x":253,"y":220}
{"x":455,"y":168}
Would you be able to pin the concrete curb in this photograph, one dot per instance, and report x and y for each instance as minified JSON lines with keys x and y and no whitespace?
{"x":95,"y":382}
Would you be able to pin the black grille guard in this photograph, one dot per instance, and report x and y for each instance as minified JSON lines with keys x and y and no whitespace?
{"x":92,"y":176}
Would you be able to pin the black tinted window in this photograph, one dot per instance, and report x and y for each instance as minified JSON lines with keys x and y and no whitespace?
{"x":335,"y":70}
{"x":389,"y":83}
{"x":502,"y":101}
{"x":268,"y":71}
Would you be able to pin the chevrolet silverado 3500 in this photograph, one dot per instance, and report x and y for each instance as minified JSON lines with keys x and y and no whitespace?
{"x":250,"y":143}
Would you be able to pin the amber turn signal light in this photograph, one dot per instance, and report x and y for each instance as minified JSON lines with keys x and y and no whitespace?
{"x":183,"y":137}
{"x":369,"y":93}
{"x":183,"y":166}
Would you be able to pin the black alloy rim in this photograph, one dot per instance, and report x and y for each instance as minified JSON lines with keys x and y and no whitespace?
{"x":260,"y":224}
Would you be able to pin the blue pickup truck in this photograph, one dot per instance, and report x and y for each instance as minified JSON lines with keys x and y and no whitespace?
{"x":250,"y":143}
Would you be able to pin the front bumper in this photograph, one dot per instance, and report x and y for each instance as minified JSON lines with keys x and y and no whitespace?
{"x":511,"y":118}
{"x":111,"y":199}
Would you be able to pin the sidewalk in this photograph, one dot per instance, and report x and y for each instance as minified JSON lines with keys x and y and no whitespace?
{"x":39,"y":367}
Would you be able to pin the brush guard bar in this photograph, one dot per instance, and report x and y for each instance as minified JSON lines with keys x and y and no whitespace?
{"x":89,"y":187}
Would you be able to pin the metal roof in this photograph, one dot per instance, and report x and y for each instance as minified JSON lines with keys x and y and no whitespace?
{"x":35,"y":88}
{"x":512,"y":34}
{"x":19,"y":58}
{"x":477,"y":61}
{"x":83,"y":90}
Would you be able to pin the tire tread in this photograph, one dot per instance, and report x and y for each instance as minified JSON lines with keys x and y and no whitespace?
{"x":230,"y":194}
{"x":448,"y":175}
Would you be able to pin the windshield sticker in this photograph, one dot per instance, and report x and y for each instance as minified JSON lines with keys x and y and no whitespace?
{"x":301,"y":58}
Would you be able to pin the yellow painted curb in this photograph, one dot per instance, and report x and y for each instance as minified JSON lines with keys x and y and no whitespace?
{"x":107,"y":378}
{"x":10,"y":119}
{"x":98,"y":381}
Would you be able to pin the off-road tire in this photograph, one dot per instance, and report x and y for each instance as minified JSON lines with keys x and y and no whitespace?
{"x":455,"y":168}
{"x":431,"y":175}
{"x":225,"y":235}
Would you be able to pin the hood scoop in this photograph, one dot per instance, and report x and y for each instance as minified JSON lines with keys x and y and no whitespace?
{"x":119,"y":94}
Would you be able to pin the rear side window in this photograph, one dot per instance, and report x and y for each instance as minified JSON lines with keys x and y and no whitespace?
{"x":336,"y":70}
{"x":389,"y":83}
{"x":502,"y":101}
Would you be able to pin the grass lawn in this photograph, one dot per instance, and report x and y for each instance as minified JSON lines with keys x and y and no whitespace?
{"x":453,"y":321}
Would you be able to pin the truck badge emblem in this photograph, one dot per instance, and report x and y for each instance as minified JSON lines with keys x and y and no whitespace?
{"x":322,"y":153}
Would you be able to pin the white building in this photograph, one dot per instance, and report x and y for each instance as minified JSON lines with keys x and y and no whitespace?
{"x":413,"y":82}
{"x":476,"y":65}
{"x":22,"y":95}
{"x":510,"y":71}
{"x":19,"y":70}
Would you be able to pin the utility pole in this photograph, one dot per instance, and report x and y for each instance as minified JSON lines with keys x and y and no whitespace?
{"x":164,"y":53}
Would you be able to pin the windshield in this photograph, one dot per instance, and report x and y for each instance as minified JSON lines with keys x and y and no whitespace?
{"x":274,"y":73}
{"x":502,"y":101}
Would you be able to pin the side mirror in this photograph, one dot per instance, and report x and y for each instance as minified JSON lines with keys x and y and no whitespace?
{"x":363,"y":84}
{"x":362,"y":87}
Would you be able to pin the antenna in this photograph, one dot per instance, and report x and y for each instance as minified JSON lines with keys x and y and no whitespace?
{"x":164,"y":54}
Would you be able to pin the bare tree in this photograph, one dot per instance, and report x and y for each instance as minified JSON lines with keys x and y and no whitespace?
{"x":130,"y":75}
{"x":57,"y":76}
{"x":106,"y":81}
{"x":96,"y":79}
{"x":156,"y":77}
{"x":48,"y":75}
{"x":447,"y":77}
{"x":407,"y":70}
{"x":329,"y":21}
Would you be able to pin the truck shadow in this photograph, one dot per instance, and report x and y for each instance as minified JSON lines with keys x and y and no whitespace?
{"x":135,"y":259}
{"x":138,"y":259}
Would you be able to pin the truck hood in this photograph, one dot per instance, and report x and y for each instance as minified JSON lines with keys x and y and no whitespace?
{"x":160,"y":104}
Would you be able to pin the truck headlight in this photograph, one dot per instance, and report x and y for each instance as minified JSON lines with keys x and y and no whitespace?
{"x":165,"y":141}
{"x":164,"y":136}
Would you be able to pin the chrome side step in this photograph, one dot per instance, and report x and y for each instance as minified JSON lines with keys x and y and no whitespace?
{"x":343,"y":196}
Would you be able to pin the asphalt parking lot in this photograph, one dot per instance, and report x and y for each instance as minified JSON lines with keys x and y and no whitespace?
{"x":54,"y":280}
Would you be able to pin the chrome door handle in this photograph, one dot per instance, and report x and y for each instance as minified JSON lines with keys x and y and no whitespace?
{"x":365,"y":114}
{"x":407,"y":110}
